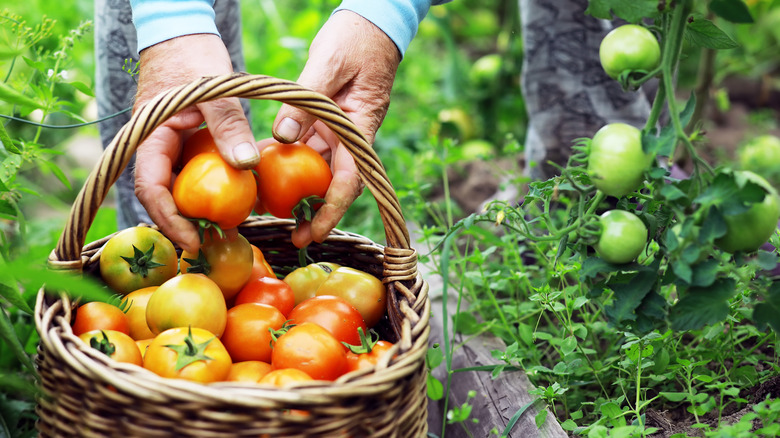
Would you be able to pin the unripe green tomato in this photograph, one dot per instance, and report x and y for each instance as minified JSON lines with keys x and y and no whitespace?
{"x":748,"y":230}
{"x":629,"y":47}
{"x":761,"y":155}
{"x":623,"y":237}
{"x":616,"y":163}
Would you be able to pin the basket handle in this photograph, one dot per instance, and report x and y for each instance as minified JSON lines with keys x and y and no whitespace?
{"x":118,"y":154}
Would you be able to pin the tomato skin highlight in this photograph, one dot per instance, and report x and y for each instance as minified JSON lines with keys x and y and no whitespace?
{"x":247,"y":335}
{"x":360,"y":289}
{"x":748,"y":230}
{"x":97,"y":315}
{"x":616,"y":163}
{"x":623,"y":237}
{"x":187,"y":300}
{"x":629,"y":47}
{"x":288,"y":173}
{"x":228,"y":260}
{"x":209,"y":188}
{"x":267,"y":290}
{"x":332,"y":313}
{"x":311,"y":349}
{"x":118,"y":273}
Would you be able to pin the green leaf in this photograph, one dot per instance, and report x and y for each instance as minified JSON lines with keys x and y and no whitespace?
{"x":704,"y":33}
{"x":599,"y":9}
{"x":767,"y":312}
{"x":434,"y":357}
{"x":735,"y":11}
{"x":628,"y":296}
{"x":53,"y":168}
{"x":84,"y":88}
{"x":705,"y":273}
{"x":435,"y":388}
{"x":10,"y":52}
{"x":5,"y":139}
{"x":632,"y":11}
{"x":540,"y":418}
{"x":674,"y":396}
{"x":9,"y":336}
{"x":14,"y":97}
{"x":702,"y":306}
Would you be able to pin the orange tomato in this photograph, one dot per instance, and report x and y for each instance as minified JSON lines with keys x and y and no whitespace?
{"x":247,"y":335}
{"x":136,"y":312}
{"x":284,"y":377}
{"x":116,"y":345}
{"x":209,"y":188}
{"x":267,"y":290}
{"x":311,"y":349}
{"x":260,"y":267}
{"x":288,"y":173}
{"x":97,"y":315}
{"x":187,"y":300}
{"x":143,"y":345}
{"x":227,"y":261}
{"x":334,"y":314}
{"x":359,"y":361}
{"x":188,"y":353}
{"x":248,"y":371}
{"x":199,"y":142}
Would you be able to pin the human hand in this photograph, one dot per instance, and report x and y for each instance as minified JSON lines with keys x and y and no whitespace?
{"x":164,"y":66}
{"x":354,"y":63}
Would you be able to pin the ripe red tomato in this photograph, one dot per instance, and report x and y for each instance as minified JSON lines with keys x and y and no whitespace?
{"x":288,"y":173}
{"x":116,"y":345}
{"x":311,"y":349}
{"x":368,"y":359}
{"x":267,"y":290}
{"x":260,"y":267}
{"x":227,"y":261}
{"x":248,"y":371}
{"x":97,"y":315}
{"x":209,"y":188}
{"x":334,"y":314}
{"x":136,"y":312}
{"x":187,"y":300}
{"x":617,"y":163}
{"x":360,"y":289}
{"x":199,"y":142}
{"x":247,"y":334}
{"x":629,"y":47}
{"x":623,"y":236}
{"x":137,"y":257}
{"x":284,"y":377}
{"x":188,"y":353}
{"x":305,"y":280}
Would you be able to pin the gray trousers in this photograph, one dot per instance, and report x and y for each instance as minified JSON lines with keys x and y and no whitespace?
{"x":567,"y":94}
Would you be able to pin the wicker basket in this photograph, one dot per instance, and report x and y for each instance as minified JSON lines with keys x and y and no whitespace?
{"x":87,"y":394}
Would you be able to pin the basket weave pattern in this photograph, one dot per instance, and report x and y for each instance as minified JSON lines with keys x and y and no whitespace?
{"x":87,"y":394}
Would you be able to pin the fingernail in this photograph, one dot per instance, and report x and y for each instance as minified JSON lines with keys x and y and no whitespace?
{"x":288,"y":130}
{"x":245,"y":153}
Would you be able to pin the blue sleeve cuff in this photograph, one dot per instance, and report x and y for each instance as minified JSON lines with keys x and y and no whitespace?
{"x":160,"y":20}
{"x":398,"y":19}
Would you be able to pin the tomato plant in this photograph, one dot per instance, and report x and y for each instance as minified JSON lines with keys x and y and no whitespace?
{"x":305,"y":280}
{"x":267,"y":290}
{"x":187,"y":300}
{"x":288,"y":174}
{"x":623,"y":236}
{"x":116,"y":345}
{"x":332,"y":313}
{"x":136,"y":312}
{"x":629,"y":47}
{"x":208,"y":188}
{"x":749,"y":229}
{"x":311,"y":349}
{"x":137,"y":257}
{"x":247,"y":334}
{"x":189,"y":353}
{"x":97,"y":315}
{"x":617,"y":163}
{"x":360,"y":289}
{"x":248,"y":371}
{"x":227,"y":260}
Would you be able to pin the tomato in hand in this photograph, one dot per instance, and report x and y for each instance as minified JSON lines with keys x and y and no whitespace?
{"x":199,"y":142}
{"x":209,"y":188}
{"x":187,"y":300}
{"x":248,"y":371}
{"x":188,"y":353}
{"x":226,"y":260}
{"x":629,"y":47}
{"x":116,"y":345}
{"x":97,"y":315}
{"x":311,"y":349}
{"x":260,"y":267}
{"x":289,"y":173}
{"x":748,"y":230}
{"x":334,"y":314}
{"x":247,"y":334}
{"x":267,"y":290}
{"x":617,"y":163}
{"x":305,"y":280}
{"x":362,"y":290}
{"x":137,"y":257}
{"x":623,"y":236}
{"x":136,"y":312}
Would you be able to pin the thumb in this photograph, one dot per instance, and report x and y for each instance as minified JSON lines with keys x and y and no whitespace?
{"x":228,"y":125}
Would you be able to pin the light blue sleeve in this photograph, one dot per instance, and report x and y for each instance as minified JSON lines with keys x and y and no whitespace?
{"x":160,"y":20}
{"x":399,"y":19}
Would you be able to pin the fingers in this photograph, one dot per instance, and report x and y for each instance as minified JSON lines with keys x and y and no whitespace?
{"x":228,"y":125}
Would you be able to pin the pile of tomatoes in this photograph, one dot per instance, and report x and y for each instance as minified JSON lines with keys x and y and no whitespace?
{"x":222,"y":314}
